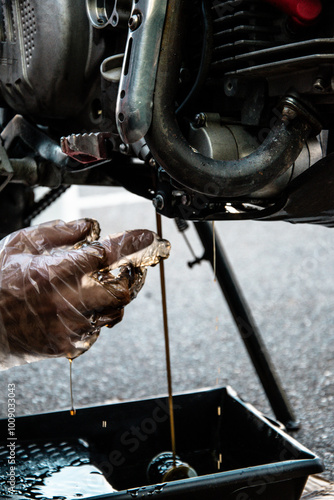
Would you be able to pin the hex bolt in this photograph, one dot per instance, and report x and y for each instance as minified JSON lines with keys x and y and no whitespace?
{"x":124,"y":149}
{"x":289,"y":112}
{"x":158,"y":202}
{"x":134,"y":22}
{"x":185,"y":200}
{"x":230,"y":87}
{"x":152,"y":162}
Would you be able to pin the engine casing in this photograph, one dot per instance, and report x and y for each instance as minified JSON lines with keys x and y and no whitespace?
{"x":49,"y":57}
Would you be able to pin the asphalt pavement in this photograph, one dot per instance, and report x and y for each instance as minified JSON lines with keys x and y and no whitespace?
{"x":286,"y":273}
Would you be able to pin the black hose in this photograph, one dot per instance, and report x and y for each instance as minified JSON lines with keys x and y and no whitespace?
{"x":204,"y":60}
{"x":189,"y":167}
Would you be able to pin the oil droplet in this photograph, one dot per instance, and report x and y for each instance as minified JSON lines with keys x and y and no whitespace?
{"x":72,"y":410}
{"x":219,"y":461}
{"x":217,"y":378}
{"x":166,"y":335}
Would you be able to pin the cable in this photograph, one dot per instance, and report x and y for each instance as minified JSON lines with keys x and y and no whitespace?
{"x":202,"y":66}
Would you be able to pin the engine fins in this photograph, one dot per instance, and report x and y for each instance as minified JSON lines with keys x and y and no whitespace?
{"x":251,"y":39}
{"x":241,"y":27}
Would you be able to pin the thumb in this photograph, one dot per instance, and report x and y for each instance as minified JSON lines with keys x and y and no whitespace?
{"x":140,"y":248}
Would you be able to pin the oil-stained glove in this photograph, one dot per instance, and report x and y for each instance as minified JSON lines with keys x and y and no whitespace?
{"x":59,"y":286}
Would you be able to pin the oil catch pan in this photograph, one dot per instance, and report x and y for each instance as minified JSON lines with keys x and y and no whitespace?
{"x":237,"y":453}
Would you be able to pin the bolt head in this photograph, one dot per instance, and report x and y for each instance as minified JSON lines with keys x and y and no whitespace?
{"x":289,"y":113}
{"x":124,"y":149}
{"x":319,"y":85}
{"x":200,"y":120}
{"x":159,"y":202}
{"x":185,"y":200}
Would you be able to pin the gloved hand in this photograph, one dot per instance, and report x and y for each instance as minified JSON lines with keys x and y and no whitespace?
{"x":57,"y":289}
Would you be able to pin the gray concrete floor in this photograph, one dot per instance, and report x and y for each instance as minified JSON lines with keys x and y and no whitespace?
{"x":286,"y":273}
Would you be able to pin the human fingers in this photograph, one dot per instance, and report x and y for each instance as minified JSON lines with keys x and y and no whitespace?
{"x":103,"y":293}
{"x":100,"y":304}
{"x":49,"y":236}
{"x":139,"y":248}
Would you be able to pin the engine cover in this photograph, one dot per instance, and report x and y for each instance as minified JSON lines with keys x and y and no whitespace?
{"x":48,"y":57}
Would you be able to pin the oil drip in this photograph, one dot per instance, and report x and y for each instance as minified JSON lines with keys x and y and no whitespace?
{"x":219,"y":461}
{"x":72,"y":410}
{"x":220,"y":455}
{"x":166,"y":334}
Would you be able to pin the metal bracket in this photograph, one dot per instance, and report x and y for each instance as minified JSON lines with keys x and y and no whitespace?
{"x":6,"y":168}
{"x":135,"y":95}
{"x":34,"y":139}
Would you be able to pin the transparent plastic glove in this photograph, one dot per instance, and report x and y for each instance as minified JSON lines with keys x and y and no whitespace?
{"x":57,"y":289}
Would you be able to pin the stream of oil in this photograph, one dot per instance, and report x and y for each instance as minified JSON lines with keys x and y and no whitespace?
{"x":167,"y":351}
{"x":72,"y":410}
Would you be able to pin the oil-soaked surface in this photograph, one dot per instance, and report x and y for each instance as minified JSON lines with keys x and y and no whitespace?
{"x":58,"y":471}
{"x":79,"y":481}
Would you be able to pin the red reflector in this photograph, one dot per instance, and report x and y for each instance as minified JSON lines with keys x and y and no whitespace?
{"x":304,"y":11}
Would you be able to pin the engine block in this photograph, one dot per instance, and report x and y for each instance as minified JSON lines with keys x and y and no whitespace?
{"x":254,"y":40}
{"x":48,"y":58}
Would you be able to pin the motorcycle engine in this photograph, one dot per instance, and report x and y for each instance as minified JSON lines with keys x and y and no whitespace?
{"x":224,"y":106}
{"x":261,"y":53}
{"x":49,"y":58}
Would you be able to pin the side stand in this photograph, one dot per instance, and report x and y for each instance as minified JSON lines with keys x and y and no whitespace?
{"x":246,"y":326}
